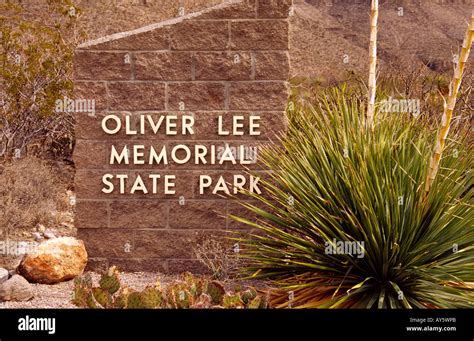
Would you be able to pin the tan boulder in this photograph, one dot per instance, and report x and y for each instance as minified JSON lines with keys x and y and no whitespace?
{"x":16,"y":289}
{"x":55,"y":260}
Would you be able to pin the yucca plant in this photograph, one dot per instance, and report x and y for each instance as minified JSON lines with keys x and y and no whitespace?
{"x":374,"y":16}
{"x":333,"y":182}
{"x":352,"y":216}
{"x":449,"y":106}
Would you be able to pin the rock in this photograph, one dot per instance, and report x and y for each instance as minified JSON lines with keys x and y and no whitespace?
{"x":37,"y":236}
{"x":12,"y":252}
{"x":16,"y":289}
{"x":55,"y":260}
{"x":48,"y":234}
{"x":3,"y":275}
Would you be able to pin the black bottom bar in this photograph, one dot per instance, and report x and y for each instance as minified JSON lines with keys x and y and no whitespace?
{"x":221,"y":324}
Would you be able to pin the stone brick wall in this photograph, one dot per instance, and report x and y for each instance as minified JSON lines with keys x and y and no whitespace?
{"x":229,"y":60}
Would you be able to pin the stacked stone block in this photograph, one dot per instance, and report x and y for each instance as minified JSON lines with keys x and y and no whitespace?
{"x":227,"y":60}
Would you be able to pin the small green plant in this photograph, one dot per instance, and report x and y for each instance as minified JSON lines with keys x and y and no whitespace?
{"x":187,"y":292}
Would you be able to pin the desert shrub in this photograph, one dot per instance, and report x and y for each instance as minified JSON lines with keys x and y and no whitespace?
{"x":35,"y":72}
{"x":346,"y":223}
{"x":29,"y":193}
{"x":407,"y":80}
{"x":221,"y":261}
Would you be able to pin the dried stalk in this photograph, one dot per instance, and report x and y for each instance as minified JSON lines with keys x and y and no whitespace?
{"x":374,"y":14}
{"x":449,"y":108}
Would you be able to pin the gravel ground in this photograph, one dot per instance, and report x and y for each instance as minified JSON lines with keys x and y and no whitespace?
{"x":59,"y":295}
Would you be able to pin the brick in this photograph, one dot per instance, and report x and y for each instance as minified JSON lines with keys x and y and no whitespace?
{"x":198,"y":214}
{"x":163,"y":65}
{"x":251,"y":154}
{"x":207,"y":192}
{"x":259,"y":35}
{"x":258,"y":96}
{"x":91,"y":214}
{"x":88,"y":184}
{"x":164,"y":243}
{"x":195,"y":96}
{"x":173,"y":244}
{"x":223,"y":66}
{"x":92,"y":91}
{"x":200,"y":35}
{"x":138,"y":214}
{"x":273,"y":8}
{"x":191,"y":165}
{"x":156,"y":39}
{"x":90,"y":127}
{"x":223,"y":236}
{"x":120,"y":145}
{"x":89,"y":155}
{"x":183,"y":185}
{"x":101,"y":66}
{"x":243,"y":10}
{"x":272,"y":66}
{"x":97,"y":264}
{"x":251,"y":150}
{"x":161,"y":134}
{"x":141,"y":265}
{"x":190,"y":62}
{"x":109,"y":243}
{"x":220,"y":147}
{"x":137,"y":96}
{"x":176,"y":266}
{"x":228,"y":176}
{"x":206,"y":125}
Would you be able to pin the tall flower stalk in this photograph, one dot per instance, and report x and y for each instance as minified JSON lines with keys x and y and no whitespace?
{"x":374,"y":14}
{"x":449,"y":108}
